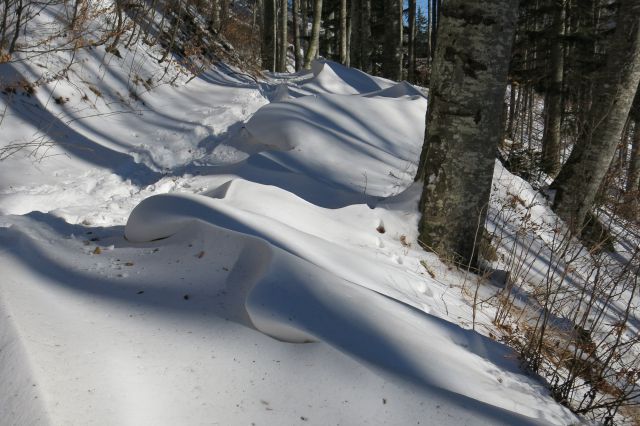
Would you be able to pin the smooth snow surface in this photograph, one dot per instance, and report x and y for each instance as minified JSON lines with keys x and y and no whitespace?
{"x":236,"y":253}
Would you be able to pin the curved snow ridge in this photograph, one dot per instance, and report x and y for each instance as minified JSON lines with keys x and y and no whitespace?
{"x":161,"y":216}
{"x":300,"y":288}
{"x":332,"y":77}
{"x":365,"y":144}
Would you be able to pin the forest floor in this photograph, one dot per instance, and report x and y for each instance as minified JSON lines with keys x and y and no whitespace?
{"x":234,"y":251}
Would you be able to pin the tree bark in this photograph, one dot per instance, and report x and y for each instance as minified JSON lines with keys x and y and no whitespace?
{"x":633,"y":175}
{"x":295,"y":5}
{"x":464,"y":124}
{"x":434,"y":9}
{"x":269,"y":35}
{"x":580,"y":178}
{"x":356,"y":33}
{"x":344,"y":54}
{"x":392,"y":46}
{"x":315,"y":34}
{"x":283,"y":42}
{"x":551,"y":142}
{"x":411,"y":48}
{"x":632,"y":186}
{"x":224,"y":14}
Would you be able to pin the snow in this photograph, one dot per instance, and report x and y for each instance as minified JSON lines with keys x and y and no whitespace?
{"x":233,"y":252}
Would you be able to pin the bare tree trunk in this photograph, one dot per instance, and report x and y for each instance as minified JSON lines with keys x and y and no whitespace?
{"x":269,"y":35}
{"x":214,"y":18}
{"x":356,"y":33}
{"x":512,"y":109}
{"x":329,"y":38}
{"x":411,"y":69}
{"x":632,"y":187}
{"x":315,"y":34}
{"x":5,"y":15}
{"x":304,"y":11}
{"x":283,"y":42}
{"x":434,"y":9}
{"x":633,"y":176}
{"x":580,"y":178}
{"x":224,"y":14}
{"x":19,"y":10}
{"x":295,"y":6}
{"x":348,"y":56}
{"x":344,"y":55}
{"x":464,"y":124}
{"x":172,"y":39}
{"x":551,"y":142}
{"x":392,"y":46}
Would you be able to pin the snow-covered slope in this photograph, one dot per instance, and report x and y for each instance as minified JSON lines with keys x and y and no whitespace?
{"x":208,"y":257}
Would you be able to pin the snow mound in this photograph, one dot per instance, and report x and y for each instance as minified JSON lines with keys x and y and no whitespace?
{"x":398,"y":90}
{"x":299,"y":287}
{"x":363,"y":144}
{"x":331,"y":77}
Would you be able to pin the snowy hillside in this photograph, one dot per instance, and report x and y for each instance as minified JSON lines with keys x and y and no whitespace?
{"x":232,"y":251}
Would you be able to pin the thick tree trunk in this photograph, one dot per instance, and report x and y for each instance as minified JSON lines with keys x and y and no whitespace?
{"x":551,"y":142}
{"x":411,"y":48}
{"x":580,"y":179}
{"x":392,"y":46}
{"x":295,"y":5}
{"x":283,"y":42}
{"x":464,"y":123}
{"x":269,"y":35}
{"x":344,"y":54}
{"x":315,"y":34}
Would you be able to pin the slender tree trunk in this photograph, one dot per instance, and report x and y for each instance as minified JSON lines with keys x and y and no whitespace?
{"x":3,"y":29}
{"x":269,"y":35}
{"x":329,"y":39}
{"x":464,"y":124}
{"x":315,"y":34}
{"x":632,"y":187}
{"x":512,"y":109}
{"x":392,"y":47}
{"x":224,"y":14}
{"x":215,"y":15}
{"x":411,"y":70}
{"x":367,"y":39}
{"x":282,"y":37}
{"x":633,"y":175}
{"x":16,"y":33}
{"x":304,"y":11}
{"x":174,"y":32}
{"x":295,"y":5}
{"x":356,"y":34}
{"x":551,"y":141}
{"x":434,"y":9}
{"x":580,"y":179}
{"x":348,"y":55}
{"x":344,"y":55}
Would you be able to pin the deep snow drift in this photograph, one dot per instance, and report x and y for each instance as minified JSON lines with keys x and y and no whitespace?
{"x":234,"y":253}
